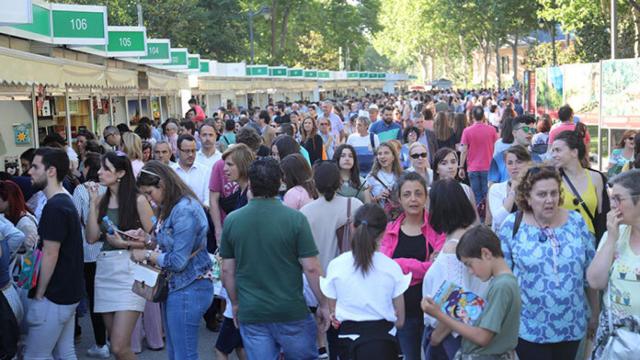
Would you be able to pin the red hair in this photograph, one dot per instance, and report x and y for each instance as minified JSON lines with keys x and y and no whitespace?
{"x":10,"y":191}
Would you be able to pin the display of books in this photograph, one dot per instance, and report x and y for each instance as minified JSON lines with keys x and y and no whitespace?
{"x":458,"y":303}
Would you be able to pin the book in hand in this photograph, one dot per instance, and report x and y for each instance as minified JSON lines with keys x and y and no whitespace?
{"x":459,"y":304}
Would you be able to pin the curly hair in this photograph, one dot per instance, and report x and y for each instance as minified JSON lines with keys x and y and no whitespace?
{"x":531,"y":177}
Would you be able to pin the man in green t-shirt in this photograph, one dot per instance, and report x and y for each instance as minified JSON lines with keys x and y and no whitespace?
{"x":494,"y":335}
{"x":266,"y":247}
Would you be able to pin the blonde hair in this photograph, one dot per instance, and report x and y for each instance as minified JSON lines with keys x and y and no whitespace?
{"x":132,"y":145}
{"x":242,"y":157}
{"x":396,"y":168}
{"x":417,"y":144}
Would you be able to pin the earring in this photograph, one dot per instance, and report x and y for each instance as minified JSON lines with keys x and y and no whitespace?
{"x":119,"y":179}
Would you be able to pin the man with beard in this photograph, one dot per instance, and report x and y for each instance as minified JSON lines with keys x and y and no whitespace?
{"x":52,"y":303}
{"x":386,"y":129}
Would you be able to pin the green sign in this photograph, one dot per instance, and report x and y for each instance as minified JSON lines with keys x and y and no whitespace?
{"x":179,"y":59}
{"x":373,"y":75}
{"x":194,"y":62}
{"x":158,"y":52}
{"x":204,"y":66}
{"x":257,"y":70}
{"x":295,"y":73}
{"x":311,"y":74}
{"x":382,"y":76}
{"x":363,"y":75}
{"x":127,"y":41}
{"x":39,"y":29}
{"x":277,"y":71}
{"x":324,"y":74}
{"x":79,"y":24}
{"x":352,"y":75}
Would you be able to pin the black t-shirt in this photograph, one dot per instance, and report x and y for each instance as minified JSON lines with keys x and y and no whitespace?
{"x":412,"y":247}
{"x":60,"y":222}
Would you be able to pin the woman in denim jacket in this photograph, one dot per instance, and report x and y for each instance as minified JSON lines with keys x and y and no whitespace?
{"x":181,"y":236}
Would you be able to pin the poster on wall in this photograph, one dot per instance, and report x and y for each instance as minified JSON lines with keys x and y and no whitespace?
{"x":22,"y":134}
{"x":621,"y":93}
{"x":582,"y":91}
{"x":549,"y":90}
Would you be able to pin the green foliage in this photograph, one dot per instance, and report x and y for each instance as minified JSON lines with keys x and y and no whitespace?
{"x":540,"y":55}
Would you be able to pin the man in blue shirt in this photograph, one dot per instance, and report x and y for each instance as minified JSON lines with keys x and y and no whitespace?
{"x":386,"y":129}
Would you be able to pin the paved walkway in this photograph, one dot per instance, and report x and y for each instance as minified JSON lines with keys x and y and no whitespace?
{"x":206,"y":342}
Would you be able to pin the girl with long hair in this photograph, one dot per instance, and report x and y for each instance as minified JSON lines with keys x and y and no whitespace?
{"x":123,"y":207}
{"x":366,"y":276}
{"x":310,"y":139}
{"x":298,"y":178}
{"x":385,"y":172}
{"x":353,"y":185}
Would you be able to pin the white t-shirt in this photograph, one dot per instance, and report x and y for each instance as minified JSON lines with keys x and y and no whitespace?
{"x":448,"y":267}
{"x":364,"y":297}
{"x":356,"y":140}
{"x":497,"y":194}
{"x":197,"y":178}
{"x":388,"y":178}
{"x":208,"y":162}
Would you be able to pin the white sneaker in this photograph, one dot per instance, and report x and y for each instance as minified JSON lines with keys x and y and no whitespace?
{"x":99,"y":352}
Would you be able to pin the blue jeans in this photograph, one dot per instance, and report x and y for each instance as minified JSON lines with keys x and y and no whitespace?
{"x":296,"y":339}
{"x":182,"y":313}
{"x":478,"y":182}
{"x":410,"y":337}
{"x":445,"y":351}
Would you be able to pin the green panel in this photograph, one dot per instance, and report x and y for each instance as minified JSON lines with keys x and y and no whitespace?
{"x":126,"y":41}
{"x":258,"y":71}
{"x":41,"y":22}
{"x":382,"y":76}
{"x":310,"y":74}
{"x":194,"y":63}
{"x":373,"y":76}
{"x":324,"y":74}
{"x":78,"y":24}
{"x":295,"y":73}
{"x":352,"y":75}
{"x":278,"y":72}
{"x":204,"y":66}
{"x":363,"y":75}
{"x":248,"y":71}
{"x":157,"y":51}
{"x":178,"y":58}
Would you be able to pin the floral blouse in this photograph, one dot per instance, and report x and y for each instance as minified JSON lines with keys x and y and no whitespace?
{"x":550,"y":265}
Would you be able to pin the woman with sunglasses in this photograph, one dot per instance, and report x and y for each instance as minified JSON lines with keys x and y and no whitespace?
{"x":353,"y":185}
{"x":616,"y":266}
{"x":418,"y":156}
{"x":125,"y":209}
{"x":583,"y":188}
{"x":623,"y":154}
{"x":181,"y":236}
{"x":410,"y":137}
{"x":549,"y":249}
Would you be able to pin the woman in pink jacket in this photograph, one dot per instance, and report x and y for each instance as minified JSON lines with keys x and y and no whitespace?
{"x":413,"y":244}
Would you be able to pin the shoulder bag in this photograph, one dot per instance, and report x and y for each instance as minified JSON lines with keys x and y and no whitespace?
{"x":343,"y":233}
{"x":624,"y":338}
{"x":152,"y":283}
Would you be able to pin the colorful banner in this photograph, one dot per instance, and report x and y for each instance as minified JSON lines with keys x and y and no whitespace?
{"x":621,"y":93}
{"x":549,"y":90}
{"x":582,"y":91}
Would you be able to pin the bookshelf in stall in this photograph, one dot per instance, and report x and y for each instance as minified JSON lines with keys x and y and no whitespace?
{"x":52,"y":117}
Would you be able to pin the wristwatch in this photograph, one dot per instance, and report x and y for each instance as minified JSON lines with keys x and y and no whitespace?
{"x":147,"y":255}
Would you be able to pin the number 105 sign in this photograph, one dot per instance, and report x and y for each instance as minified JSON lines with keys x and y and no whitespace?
{"x":79,"y":24}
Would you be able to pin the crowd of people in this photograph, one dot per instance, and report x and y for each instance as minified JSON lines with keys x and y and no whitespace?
{"x":326,"y":230}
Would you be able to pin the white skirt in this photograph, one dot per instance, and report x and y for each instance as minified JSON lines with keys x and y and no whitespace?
{"x":114,"y":279}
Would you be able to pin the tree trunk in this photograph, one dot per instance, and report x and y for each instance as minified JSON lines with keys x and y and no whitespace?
{"x":284,"y":29}
{"x":636,"y":32}
{"x":486,"y":53}
{"x":424,"y":67}
{"x":274,"y":23}
{"x":554,"y":55}
{"x":498,"y":64}
{"x":514,"y":56}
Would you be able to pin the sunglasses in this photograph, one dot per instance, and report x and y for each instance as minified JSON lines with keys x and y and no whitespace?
{"x":527,"y":129}
{"x":419,"y":155}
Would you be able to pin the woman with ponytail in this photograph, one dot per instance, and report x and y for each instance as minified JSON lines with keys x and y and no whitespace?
{"x":365,"y":288}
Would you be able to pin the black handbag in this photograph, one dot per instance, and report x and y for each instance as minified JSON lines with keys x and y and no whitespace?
{"x":9,"y":330}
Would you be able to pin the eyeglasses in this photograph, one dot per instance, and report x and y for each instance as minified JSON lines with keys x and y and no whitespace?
{"x":419,"y":155}
{"x":527,"y":129}
{"x":619,"y":199}
{"x":547,"y":234}
{"x":631,"y":138}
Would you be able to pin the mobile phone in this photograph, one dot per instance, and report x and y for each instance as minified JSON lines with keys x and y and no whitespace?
{"x":125,"y":235}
